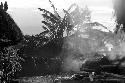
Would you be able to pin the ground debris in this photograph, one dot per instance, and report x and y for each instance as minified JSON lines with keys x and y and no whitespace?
{"x":75,"y":78}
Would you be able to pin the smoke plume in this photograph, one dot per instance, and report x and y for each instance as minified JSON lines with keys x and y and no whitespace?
{"x":83,"y":46}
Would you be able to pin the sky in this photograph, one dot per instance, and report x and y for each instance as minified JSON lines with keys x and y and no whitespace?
{"x":28,"y":18}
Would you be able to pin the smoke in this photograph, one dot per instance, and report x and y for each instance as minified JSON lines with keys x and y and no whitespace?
{"x":83,"y":46}
{"x":77,"y":49}
{"x":71,"y":64}
{"x":90,"y":43}
{"x":116,"y":52}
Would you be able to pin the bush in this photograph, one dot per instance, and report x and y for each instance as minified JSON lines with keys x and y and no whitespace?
{"x":9,"y":63}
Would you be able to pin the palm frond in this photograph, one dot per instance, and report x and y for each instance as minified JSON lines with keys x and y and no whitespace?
{"x":50,"y":27}
{"x":49,"y":18}
{"x":43,"y":10}
{"x":45,"y":28}
{"x":68,"y":21}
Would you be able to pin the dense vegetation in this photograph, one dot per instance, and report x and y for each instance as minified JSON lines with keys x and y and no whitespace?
{"x":10,"y":35}
{"x":43,"y":50}
{"x":60,"y":44}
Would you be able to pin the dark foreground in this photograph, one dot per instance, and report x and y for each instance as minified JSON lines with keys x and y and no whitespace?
{"x":75,"y":78}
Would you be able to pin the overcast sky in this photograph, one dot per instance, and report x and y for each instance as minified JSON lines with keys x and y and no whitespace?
{"x":60,"y":4}
{"x":26,"y":15}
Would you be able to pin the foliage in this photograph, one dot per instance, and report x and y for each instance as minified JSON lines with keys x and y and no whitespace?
{"x":56,"y":29}
{"x":10,"y":35}
{"x":9,"y":63}
{"x":55,"y":26}
{"x":48,"y":44}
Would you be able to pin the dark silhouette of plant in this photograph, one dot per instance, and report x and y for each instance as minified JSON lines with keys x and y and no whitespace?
{"x":48,"y":44}
{"x":53,"y":24}
{"x":10,"y":35}
{"x":57,"y":25}
{"x":5,"y":6}
{"x":1,"y":5}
